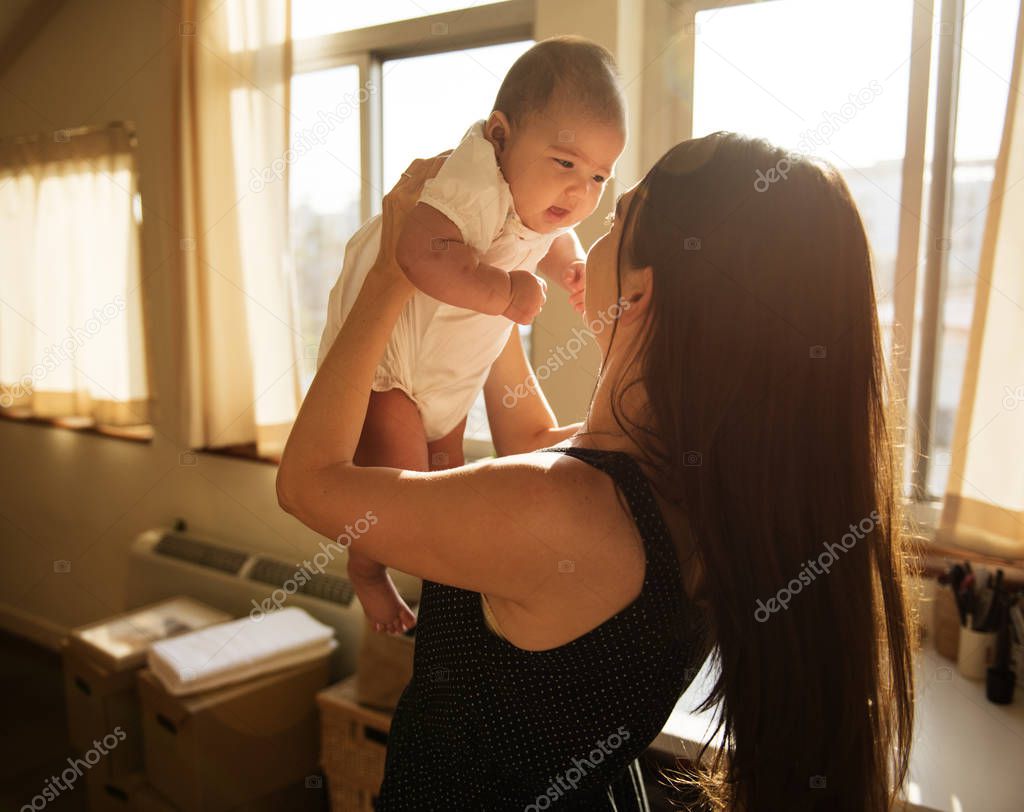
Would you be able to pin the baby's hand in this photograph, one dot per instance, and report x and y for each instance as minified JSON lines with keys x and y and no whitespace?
{"x":574,"y":281}
{"x":529,"y":292}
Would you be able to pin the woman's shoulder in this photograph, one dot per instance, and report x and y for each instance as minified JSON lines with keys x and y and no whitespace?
{"x":554,"y":470}
{"x":595,"y":554}
{"x":590,"y":479}
{"x":565,"y":492}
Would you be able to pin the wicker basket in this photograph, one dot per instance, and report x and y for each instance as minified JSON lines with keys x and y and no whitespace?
{"x":384,"y":668}
{"x":351,"y":800}
{"x":353,"y":746}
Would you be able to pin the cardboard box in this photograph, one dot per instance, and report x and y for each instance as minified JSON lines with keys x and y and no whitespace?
{"x":100,"y":663}
{"x":224,"y":748}
{"x":147,"y":799}
{"x":102,"y":704}
{"x":117,"y":793}
{"x":121,"y":642}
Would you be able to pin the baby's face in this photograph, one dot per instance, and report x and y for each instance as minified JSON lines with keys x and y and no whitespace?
{"x":557,"y":165}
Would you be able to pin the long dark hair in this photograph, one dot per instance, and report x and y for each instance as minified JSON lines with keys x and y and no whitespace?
{"x":769,"y":424}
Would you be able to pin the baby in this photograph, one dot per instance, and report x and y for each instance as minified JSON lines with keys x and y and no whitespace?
{"x":501,"y":208}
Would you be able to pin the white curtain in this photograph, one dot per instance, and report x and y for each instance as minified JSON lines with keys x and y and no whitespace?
{"x":240,"y":345}
{"x":984,"y":504}
{"x":72,"y":340}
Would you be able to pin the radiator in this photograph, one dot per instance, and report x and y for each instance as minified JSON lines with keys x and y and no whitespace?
{"x":165,"y":562}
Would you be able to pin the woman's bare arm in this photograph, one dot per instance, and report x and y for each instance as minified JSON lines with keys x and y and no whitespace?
{"x":498,"y":526}
{"x":519,"y":415}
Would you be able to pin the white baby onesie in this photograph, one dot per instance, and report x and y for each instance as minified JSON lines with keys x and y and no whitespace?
{"x":439,"y":354}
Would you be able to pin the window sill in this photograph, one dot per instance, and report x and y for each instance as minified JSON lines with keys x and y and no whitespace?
{"x":85,"y":425}
{"x":936,"y":557}
{"x":244,"y":451}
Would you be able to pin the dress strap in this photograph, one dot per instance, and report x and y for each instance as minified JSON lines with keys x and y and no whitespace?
{"x":627,"y":474}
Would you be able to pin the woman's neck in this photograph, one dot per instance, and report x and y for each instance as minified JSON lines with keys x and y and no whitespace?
{"x":600,"y":427}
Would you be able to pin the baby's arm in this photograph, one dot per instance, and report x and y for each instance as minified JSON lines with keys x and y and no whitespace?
{"x":565,"y":250}
{"x":565,"y":264}
{"x":436,"y":260}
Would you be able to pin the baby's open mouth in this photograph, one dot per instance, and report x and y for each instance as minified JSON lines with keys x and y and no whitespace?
{"x":556,"y":213}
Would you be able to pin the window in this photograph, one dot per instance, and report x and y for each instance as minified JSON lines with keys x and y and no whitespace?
{"x":986,"y":61}
{"x":69,"y":223}
{"x":423,"y":117}
{"x":834,"y":97}
{"x":430,"y":101}
{"x":831,"y":97}
{"x":383,"y":96}
{"x":324,"y":192}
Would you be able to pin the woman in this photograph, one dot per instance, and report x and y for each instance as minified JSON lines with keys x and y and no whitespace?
{"x":740,"y":412}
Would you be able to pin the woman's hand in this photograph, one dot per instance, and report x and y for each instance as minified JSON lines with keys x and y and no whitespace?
{"x":395,"y":208}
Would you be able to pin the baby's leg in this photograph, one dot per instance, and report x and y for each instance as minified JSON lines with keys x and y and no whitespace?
{"x":392,"y":436}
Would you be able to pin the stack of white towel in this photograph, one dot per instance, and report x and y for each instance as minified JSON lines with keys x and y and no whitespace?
{"x":239,"y":650}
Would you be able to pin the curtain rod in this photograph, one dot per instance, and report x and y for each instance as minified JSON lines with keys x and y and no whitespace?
{"x":72,"y":132}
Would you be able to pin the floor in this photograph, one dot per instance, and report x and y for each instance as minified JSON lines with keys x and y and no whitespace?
{"x":35,"y":742}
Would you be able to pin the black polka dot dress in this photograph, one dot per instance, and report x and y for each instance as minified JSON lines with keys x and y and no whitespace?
{"x":485,"y":725}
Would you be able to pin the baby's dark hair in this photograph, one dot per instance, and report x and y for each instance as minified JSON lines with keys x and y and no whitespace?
{"x":569,"y":70}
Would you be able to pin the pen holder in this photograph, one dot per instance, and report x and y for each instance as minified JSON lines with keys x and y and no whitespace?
{"x":999,"y":685}
{"x":976,"y":652}
{"x":946,"y":623}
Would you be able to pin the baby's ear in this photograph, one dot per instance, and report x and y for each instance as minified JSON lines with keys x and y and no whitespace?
{"x":497,"y":129}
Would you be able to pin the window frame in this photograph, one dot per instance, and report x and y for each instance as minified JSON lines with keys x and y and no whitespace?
{"x":369,"y":48}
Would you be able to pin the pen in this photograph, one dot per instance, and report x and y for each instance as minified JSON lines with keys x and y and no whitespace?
{"x":995,"y":603}
{"x":967,"y":598}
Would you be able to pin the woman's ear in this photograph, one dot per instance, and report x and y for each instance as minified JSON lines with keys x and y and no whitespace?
{"x":637,"y":288}
{"x":497,"y":130}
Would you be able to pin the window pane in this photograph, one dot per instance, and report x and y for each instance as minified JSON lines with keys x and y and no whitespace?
{"x":312,"y":18}
{"x":71,"y":298}
{"x":986,"y":61}
{"x":324,"y":189}
{"x":428,"y":104}
{"x":430,"y":101}
{"x":831,"y":97}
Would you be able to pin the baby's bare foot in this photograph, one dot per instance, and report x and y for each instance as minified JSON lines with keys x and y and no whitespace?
{"x":382,"y":604}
